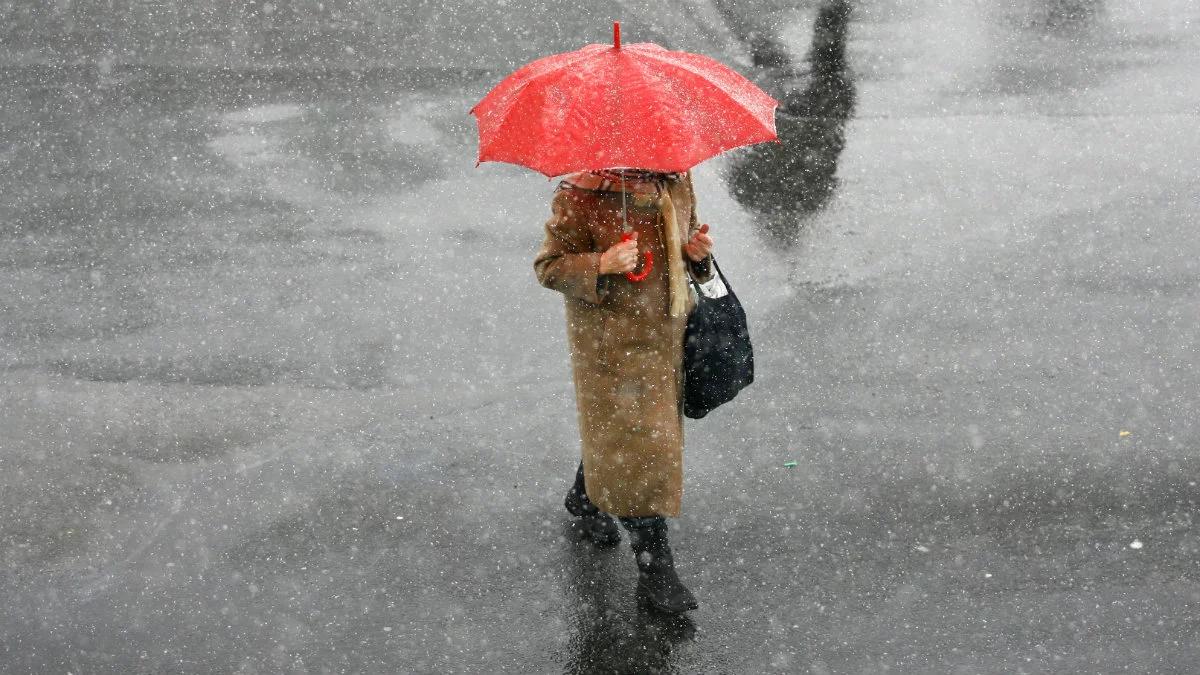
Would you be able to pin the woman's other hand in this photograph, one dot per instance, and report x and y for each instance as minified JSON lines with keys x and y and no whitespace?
{"x":700,"y":246}
{"x":621,"y":258}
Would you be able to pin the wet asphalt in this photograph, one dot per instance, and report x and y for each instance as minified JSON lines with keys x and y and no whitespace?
{"x":281,"y":394}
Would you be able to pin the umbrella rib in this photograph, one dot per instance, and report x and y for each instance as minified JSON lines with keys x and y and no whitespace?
{"x":711,"y":88}
{"x":510,"y":96}
{"x":669,"y":58}
{"x":558,"y":75}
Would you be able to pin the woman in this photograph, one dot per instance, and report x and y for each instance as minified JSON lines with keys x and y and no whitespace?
{"x":626,"y":341}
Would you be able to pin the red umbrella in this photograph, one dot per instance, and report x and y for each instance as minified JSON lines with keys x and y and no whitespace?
{"x":638,"y":106}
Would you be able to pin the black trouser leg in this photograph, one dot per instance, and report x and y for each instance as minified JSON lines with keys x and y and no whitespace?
{"x":579,"y":488}
{"x":594,"y":523}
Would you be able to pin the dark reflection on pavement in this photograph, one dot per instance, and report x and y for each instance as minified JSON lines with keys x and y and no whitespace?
{"x":799,"y":174}
{"x":614,"y":632}
{"x":1057,"y":15}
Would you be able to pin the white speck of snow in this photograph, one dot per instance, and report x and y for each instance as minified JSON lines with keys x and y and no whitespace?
{"x":1135,"y":544}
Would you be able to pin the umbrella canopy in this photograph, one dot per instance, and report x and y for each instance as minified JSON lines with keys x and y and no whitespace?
{"x":607,"y":106}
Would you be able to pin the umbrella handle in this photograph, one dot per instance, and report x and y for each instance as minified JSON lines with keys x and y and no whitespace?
{"x":625,"y":236}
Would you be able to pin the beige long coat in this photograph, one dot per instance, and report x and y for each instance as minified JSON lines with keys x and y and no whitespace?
{"x":626,"y":350}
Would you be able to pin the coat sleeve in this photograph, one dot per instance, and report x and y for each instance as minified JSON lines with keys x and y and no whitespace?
{"x":566,"y":261}
{"x":701,"y":271}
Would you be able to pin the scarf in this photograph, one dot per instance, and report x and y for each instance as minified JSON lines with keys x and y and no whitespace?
{"x":648,"y":187}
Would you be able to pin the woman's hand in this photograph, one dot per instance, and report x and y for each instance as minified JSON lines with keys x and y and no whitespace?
{"x":621,"y":258}
{"x":700,"y":246}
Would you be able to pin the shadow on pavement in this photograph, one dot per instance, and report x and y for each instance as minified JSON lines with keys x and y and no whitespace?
{"x":799,"y":174}
{"x":612,"y":631}
{"x":1060,"y":15}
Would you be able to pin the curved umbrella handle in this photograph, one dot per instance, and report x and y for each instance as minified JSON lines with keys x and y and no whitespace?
{"x":649,"y":265}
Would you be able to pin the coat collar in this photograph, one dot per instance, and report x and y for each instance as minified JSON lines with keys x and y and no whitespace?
{"x":635,"y":181}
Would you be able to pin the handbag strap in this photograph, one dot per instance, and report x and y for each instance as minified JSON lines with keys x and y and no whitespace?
{"x":695,"y":214}
{"x":728,"y":288}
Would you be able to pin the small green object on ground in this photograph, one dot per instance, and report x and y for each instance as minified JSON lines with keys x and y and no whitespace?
{"x":789,"y":465}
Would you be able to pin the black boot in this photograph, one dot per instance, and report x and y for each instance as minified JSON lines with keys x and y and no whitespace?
{"x":657,"y":580}
{"x":591,"y":521}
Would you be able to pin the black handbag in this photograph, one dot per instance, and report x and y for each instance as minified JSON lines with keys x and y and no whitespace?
{"x":718,"y":360}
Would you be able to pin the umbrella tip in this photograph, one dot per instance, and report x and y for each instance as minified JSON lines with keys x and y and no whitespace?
{"x":616,"y":35}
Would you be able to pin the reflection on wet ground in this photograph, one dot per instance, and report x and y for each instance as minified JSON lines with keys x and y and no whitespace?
{"x":613,"y":631}
{"x":1065,"y":14}
{"x":783,"y":181}
{"x":124,"y":188}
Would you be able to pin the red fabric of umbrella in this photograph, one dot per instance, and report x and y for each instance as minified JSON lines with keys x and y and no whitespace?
{"x":638,"y":106}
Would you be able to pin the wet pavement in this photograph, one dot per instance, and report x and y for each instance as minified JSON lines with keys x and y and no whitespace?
{"x":281,"y":393}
